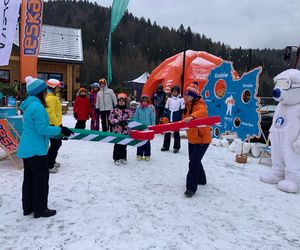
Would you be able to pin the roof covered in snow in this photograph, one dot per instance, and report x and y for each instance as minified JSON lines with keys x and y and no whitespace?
{"x":59,"y":43}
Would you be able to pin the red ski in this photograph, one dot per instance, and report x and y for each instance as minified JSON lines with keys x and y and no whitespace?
{"x":174,"y":126}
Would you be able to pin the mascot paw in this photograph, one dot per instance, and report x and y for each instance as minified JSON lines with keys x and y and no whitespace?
{"x":288,"y":186}
{"x":296,"y":146}
{"x":270,"y":178}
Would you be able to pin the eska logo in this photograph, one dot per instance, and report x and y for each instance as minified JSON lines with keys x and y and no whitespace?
{"x":5,"y":140}
{"x":33,"y":26}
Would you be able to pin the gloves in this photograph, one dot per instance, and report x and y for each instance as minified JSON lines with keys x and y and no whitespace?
{"x":75,"y":115}
{"x":164,"y":120}
{"x":66,"y":131}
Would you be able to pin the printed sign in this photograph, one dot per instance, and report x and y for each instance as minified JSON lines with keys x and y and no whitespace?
{"x":6,"y":138}
{"x":31,"y":28}
{"x":234,"y":100}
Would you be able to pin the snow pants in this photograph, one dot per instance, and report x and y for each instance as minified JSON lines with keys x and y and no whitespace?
{"x":120,"y":152}
{"x":55,"y":144}
{"x":104,"y":120}
{"x":95,"y":120}
{"x":35,"y":184}
{"x":144,"y":150}
{"x":167,"y":140}
{"x":196,"y":173}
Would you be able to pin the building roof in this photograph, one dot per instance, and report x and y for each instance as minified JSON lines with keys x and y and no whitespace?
{"x":59,"y":43}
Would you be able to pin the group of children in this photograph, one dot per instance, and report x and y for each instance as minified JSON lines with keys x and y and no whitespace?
{"x":39,"y":126}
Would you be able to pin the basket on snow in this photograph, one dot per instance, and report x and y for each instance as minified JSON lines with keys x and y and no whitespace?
{"x":242,"y":158}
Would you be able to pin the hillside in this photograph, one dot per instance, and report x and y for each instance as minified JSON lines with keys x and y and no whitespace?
{"x":138,"y":45}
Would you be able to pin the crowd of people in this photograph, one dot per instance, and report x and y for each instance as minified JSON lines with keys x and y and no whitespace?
{"x":43,"y":123}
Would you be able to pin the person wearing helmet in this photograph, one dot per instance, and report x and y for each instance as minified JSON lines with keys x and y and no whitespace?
{"x":118,"y":119}
{"x":81,"y":109}
{"x":158,"y":100}
{"x":94,"y":111}
{"x":54,"y":111}
{"x":145,"y":115}
{"x":105,"y":102}
{"x":173,"y":111}
{"x":33,"y":148}
{"x":133,"y":106}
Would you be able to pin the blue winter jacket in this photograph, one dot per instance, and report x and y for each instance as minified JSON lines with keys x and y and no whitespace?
{"x":36,"y":129}
{"x":145,"y":115}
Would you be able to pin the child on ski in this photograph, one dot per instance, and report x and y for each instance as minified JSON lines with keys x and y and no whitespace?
{"x":118,"y":118}
{"x":198,"y":138}
{"x":145,"y":115}
{"x":94,"y":111}
{"x":81,"y":109}
{"x":173,"y":111}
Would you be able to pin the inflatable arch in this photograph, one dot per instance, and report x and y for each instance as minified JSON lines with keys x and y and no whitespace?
{"x":198,"y":65}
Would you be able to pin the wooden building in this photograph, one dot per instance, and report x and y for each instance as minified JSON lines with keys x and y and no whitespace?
{"x":60,"y":57}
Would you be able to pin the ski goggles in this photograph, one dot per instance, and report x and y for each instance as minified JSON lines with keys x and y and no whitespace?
{"x":286,"y":84}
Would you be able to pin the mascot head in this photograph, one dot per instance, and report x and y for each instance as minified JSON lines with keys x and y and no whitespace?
{"x":287,"y":87}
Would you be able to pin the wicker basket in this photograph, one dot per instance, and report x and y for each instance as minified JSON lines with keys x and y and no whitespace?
{"x":242,"y":158}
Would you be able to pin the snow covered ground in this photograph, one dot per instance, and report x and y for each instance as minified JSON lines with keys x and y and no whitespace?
{"x":142,"y":206}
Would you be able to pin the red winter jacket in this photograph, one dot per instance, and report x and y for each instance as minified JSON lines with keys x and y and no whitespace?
{"x":82,"y":109}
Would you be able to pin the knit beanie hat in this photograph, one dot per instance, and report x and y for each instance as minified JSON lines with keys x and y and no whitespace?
{"x":34,"y":85}
{"x":193,"y":90}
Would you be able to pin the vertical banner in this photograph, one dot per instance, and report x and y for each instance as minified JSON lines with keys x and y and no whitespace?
{"x":9,"y":11}
{"x":117,"y":11}
{"x":30,"y":36}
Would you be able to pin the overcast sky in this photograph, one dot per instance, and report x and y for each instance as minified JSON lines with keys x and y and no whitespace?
{"x":246,"y":23}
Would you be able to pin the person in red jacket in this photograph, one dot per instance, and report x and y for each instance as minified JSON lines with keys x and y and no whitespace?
{"x":82,"y":109}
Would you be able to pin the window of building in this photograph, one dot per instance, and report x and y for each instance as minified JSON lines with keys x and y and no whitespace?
{"x":4,"y":76}
{"x":45,"y":76}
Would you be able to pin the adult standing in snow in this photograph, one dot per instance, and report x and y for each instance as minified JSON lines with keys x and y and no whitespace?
{"x":81,"y":109}
{"x":94,"y":111}
{"x":33,"y":149}
{"x":159,"y":99}
{"x":105,"y":102}
{"x":198,"y":138}
{"x":54,"y":111}
{"x":173,"y":112}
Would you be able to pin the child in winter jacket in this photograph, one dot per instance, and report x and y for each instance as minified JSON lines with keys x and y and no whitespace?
{"x":95,"y":112}
{"x":173,"y":111}
{"x":81,"y":109}
{"x":54,"y":111}
{"x":145,"y":115}
{"x":118,"y":118}
{"x":105,"y":102}
{"x":198,"y":138}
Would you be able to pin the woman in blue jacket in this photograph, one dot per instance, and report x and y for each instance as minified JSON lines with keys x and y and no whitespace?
{"x":33,"y":149}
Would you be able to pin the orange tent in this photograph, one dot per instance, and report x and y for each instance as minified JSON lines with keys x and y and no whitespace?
{"x":198,"y":65}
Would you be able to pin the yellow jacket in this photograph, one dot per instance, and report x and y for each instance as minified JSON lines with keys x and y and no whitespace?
{"x":54,"y":109}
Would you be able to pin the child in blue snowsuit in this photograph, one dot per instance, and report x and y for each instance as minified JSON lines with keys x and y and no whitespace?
{"x":145,"y":115}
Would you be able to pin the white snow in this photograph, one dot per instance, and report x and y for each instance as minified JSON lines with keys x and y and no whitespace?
{"x":142,"y":205}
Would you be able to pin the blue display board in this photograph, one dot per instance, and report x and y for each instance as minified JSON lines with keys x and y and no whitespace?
{"x":11,"y":101}
{"x":16,"y":122}
{"x":234,"y":100}
{"x":7,"y":111}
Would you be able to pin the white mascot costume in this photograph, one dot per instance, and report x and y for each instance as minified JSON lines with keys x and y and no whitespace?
{"x":285,"y":133}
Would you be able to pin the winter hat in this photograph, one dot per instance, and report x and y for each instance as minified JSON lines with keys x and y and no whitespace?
{"x":53,"y":83}
{"x":82,"y":90}
{"x":133,"y":104}
{"x":193,"y":90}
{"x":145,"y":98}
{"x":34,"y":86}
{"x":95,"y":85}
{"x":175,"y":88}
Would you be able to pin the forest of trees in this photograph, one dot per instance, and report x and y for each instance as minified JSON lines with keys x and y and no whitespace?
{"x":139,"y":45}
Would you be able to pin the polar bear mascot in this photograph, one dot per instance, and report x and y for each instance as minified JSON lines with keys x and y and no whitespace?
{"x":285,"y":133}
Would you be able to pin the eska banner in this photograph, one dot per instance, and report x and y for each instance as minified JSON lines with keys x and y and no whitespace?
{"x":30,"y":36}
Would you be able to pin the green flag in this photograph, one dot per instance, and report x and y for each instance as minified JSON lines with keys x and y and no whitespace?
{"x":117,"y":11}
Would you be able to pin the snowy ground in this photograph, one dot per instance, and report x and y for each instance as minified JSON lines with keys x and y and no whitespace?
{"x":142,"y":206}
